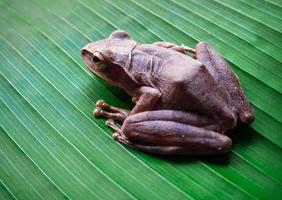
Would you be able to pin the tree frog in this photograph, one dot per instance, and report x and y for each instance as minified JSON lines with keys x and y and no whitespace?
{"x":185,"y":98}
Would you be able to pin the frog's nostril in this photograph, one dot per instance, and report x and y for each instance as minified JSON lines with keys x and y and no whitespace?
{"x":86,"y":57}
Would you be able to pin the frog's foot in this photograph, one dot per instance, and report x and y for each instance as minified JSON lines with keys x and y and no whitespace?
{"x":121,"y":138}
{"x":115,"y":113}
{"x":182,"y":48}
{"x":118,"y":135}
{"x":112,"y":124}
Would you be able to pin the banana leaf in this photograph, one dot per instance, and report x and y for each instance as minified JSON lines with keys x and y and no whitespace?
{"x":51,"y":146}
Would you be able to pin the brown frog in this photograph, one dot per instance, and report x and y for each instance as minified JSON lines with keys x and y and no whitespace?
{"x":184,"y":104}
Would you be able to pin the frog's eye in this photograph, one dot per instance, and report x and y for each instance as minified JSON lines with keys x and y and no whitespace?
{"x":98,"y":60}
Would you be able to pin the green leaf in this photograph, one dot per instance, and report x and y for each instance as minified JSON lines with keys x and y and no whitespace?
{"x":51,"y":147}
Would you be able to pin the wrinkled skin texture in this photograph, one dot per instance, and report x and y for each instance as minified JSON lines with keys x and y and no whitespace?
{"x":184,"y":104}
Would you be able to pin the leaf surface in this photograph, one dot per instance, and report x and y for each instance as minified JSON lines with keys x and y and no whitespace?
{"x":53,"y":148}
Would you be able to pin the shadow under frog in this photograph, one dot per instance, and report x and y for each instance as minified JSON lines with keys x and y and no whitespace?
{"x":183,"y":104}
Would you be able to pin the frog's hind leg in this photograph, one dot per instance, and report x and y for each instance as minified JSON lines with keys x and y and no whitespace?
{"x":165,"y":150}
{"x":172,"y":133}
{"x":105,"y":110}
{"x":220,"y":70}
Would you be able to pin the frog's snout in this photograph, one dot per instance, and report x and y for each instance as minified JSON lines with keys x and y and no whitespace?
{"x":86,"y":57}
{"x":87,"y":54}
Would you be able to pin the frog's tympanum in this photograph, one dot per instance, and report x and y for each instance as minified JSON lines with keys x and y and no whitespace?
{"x":183,"y":104}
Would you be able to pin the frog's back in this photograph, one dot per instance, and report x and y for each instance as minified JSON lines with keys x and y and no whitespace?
{"x":186,"y":84}
{"x":160,"y":62}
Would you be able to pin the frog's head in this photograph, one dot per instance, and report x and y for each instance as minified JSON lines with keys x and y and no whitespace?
{"x":109,"y":58}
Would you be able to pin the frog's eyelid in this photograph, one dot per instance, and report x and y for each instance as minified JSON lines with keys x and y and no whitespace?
{"x":99,"y":56}
{"x":98,"y":59}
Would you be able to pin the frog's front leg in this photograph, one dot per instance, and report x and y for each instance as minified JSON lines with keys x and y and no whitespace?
{"x":147,"y":98}
{"x":171,"y":133}
{"x":105,"y":110}
{"x":181,"y":49}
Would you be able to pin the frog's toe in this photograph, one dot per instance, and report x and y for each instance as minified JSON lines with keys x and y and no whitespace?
{"x":97,"y":111}
{"x":116,"y":136}
{"x":110,"y":122}
{"x":100,"y":103}
{"x":121,"y":138}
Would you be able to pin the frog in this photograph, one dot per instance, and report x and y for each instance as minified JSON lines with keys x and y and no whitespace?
{"x":186,"y":100}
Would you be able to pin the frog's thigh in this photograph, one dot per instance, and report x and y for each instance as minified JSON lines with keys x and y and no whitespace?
{"x":163,"y":136}
{"x":222,"y":71}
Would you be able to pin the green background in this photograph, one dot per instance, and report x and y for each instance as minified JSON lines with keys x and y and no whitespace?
{"x":51,"y":147}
